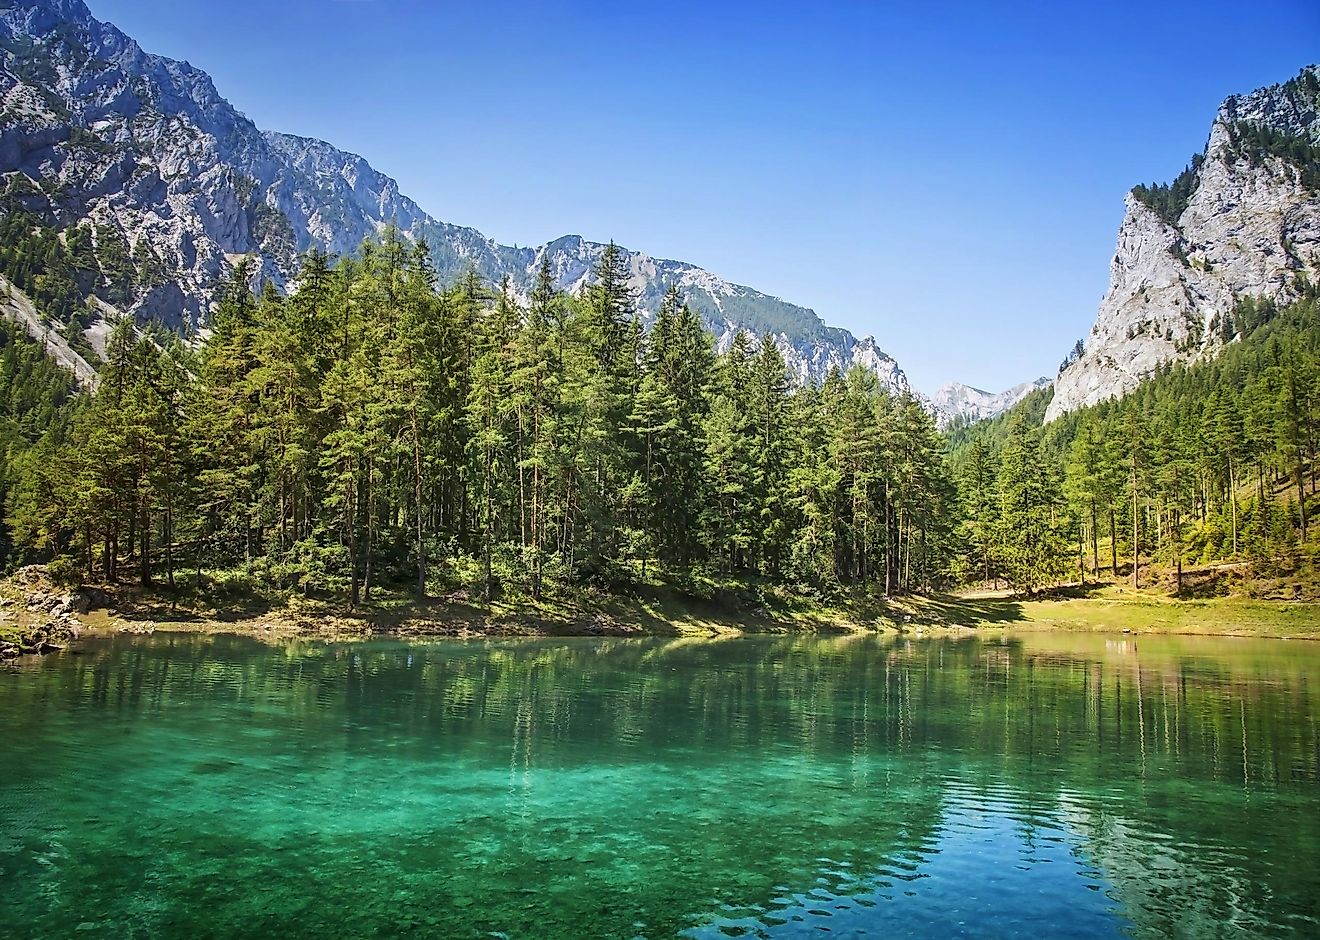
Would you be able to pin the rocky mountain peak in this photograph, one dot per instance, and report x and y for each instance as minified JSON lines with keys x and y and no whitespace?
{"x":1241,"y":222}
{"x":954,"y":401}
{"x":1291,"y":107}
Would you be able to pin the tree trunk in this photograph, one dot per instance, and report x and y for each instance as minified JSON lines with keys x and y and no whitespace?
{"x":1301,"y":491}
{"x":1113,"y":542}
{"x":350,"y":516}
{"x":370,"y":531}
{"x":417,"y":499}
{"x":1232,"y":499}
{"x":169,"y":546}
{"x":889,"y":544}
{"x":132,"y":531}
{"x":537,"y":535}
{"x":145,"y":555}
{"x":1136,"y":543}
{"x":1095,"y":544}
{"x":488,"y":535}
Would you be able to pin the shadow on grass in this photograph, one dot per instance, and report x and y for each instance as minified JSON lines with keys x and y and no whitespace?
{"x":974,"y":611}
{"x":1201,"y":588}
{"x":656,"y":609}
{"x":1071,"y":591}
{"x":162,"y":605}
{"x":666,"y":609}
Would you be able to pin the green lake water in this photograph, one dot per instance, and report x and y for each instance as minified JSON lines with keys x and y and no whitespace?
{"x":1047,"y":785}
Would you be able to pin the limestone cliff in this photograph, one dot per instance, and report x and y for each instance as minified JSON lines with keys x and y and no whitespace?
{"x":1243,"y":221}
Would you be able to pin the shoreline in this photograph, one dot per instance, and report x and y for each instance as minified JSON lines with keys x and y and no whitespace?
{"x":1271,"y":620}
{"x":36,"y":619}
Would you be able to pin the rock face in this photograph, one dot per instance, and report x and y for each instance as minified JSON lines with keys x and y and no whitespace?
{"x":1249,"y":228}
{"x":145,"y":150}
{"x":16,"y":306}
{"x":955,"y":401}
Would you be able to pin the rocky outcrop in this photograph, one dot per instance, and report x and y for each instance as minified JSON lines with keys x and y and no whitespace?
{"x":1249,"y":229}
{"x":147,"y":151}
{"x":49,"y":636}
{"x":15,"y":305}
{"x":46,"y":615}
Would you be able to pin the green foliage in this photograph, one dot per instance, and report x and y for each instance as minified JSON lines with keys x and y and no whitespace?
{"x":36,"y":397}
{"x":1168,"y":200}
{"x":1073,"y":355}
{"x":1030,"y":521}
{"x":59,"y":267}
{"x":1210,"y":461}
{"x":376,"y":428}
{"x":1256,"y":143}
{"x":993,"y":432}
{"x":65,"y":571}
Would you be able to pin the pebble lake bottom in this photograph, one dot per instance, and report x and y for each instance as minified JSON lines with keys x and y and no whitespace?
{"x":185,"y":785}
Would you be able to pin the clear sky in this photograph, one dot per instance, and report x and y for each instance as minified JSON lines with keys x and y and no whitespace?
{"x":948,"y":177}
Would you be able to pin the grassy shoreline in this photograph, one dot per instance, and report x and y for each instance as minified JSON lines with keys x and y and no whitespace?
{"x":1119,"y":610}
{"x":667,"y":612}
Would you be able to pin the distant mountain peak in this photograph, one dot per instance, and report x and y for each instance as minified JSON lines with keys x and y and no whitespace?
{"x":955,"y":401}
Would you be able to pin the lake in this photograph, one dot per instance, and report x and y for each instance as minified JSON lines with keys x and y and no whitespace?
{"x":186,"y":785}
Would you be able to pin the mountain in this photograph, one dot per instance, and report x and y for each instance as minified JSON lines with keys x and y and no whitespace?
{"x":176,"y":187}
{"x":954,"y":401}
{"x":1239,"y":226}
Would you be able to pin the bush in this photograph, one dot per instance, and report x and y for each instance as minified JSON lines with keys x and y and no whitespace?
{"x":65,"y":571}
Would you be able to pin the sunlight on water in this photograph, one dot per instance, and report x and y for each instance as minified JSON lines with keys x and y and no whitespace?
{"x":192,"y":786}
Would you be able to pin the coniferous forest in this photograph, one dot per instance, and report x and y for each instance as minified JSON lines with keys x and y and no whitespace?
{"x":1209,"y":462}
{"x":367,"y":573}
{"x":376,"y":431}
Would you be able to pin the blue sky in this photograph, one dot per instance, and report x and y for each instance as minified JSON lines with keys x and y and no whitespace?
{"x":945,"y":176}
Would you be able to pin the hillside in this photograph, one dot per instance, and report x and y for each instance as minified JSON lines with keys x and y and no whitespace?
{"x":168,"y":186}
{"x":1212,"y":463}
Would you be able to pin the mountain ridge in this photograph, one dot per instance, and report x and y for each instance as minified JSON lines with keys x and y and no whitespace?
{"x":144,"y":148}
{"x":957,"y":401}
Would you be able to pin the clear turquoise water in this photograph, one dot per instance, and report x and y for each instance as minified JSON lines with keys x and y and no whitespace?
{"x":189,"y":786}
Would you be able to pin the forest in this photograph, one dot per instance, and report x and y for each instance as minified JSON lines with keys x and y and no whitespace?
{"x":1209,"y":462}
{"x":376,"y":432}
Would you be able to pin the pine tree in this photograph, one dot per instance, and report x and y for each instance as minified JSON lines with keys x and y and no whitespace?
{"x":487,"y":407}
{"x":980,"y":509}
{"x":1029,"y":504}
{"x":534,"y":379}
{"x":1086,"y":485}
{"x":1135,"y":445}
{"x":767,"y":457}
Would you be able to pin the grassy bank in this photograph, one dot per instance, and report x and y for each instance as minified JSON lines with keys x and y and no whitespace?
{"x":1114,"y":609}
{"x":229,"y":605}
